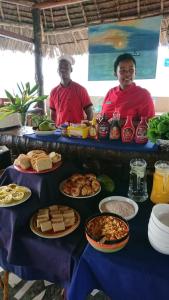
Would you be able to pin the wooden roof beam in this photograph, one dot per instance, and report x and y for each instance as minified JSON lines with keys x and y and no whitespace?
{"x":52,"y":4}
{"x":19,"y":2}
{"x":15,"y":36}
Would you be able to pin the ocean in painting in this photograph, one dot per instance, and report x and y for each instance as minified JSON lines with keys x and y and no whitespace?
{"x":138,"y":37}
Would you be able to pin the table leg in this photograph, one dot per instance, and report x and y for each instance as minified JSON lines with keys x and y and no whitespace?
{"x":4,"y":285}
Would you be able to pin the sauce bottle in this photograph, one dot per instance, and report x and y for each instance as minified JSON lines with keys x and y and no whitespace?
{"x":115,"y":129}
{"x":128,"y":130}
{"x":141,"y":132}
{"x":103,"y":128}
{"x":93,"y":130}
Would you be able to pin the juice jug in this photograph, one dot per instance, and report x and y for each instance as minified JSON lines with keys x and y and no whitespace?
{"x":160,"y":189}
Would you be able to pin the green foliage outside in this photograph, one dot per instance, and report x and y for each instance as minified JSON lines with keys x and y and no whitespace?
{"x":20,"y":102}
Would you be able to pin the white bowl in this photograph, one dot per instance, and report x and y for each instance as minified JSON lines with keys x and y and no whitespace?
{"x":160,"y":216}
{"x":158,"y":232}
{"x":161,"y":240}
{"x":157,"y":246}
{"x":118,"y":210}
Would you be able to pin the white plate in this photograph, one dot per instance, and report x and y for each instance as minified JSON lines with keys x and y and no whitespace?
{"x":25,"y":198}
{"x":49,"y":132}
{"x":79,"y":197}
{"x":122,"y":199}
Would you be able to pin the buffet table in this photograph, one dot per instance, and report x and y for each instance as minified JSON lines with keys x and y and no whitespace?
{"x":110,"y":157}
{"x":31,"y":256}
{"x":135,"y":272}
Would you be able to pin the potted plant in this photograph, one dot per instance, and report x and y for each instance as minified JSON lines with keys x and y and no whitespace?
{"x":158,"y":130}
{"x":20,"y":102}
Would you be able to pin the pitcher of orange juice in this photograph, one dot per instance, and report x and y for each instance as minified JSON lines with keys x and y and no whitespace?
{"x":160,"y":189}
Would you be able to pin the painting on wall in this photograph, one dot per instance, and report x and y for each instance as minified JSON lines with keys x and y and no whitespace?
{"x":138,"y":37}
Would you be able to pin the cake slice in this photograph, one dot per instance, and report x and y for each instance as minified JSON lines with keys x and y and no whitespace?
{"x":59,"y":226}
{"x":46,"y":226}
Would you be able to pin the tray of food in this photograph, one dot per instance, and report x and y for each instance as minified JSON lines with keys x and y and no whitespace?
{"x":13,"y":194}
{"x":38,"y":161}
{"x":80,"y":186}
{"x":44,"y":132}
{"x":54,"y":221}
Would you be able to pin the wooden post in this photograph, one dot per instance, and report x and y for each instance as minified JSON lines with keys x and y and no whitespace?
{"x":38,"y":52}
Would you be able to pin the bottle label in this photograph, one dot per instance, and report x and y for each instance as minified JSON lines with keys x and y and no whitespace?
{"x":127,"y":134}
{"x":141,"y":134}
{"x":114,"y":133}
{"x":103,"y":131}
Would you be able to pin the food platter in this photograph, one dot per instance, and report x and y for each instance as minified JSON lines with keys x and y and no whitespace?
{"x":123,"y":206}
{"x":47,"y":132}
{"x":14,"y":202}
{"x":32,"y":171}
{"x":76,"y":197}
{"x":51,"y":234}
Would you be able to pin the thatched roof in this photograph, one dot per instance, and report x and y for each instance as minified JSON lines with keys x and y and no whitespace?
{"x":64,"y":23}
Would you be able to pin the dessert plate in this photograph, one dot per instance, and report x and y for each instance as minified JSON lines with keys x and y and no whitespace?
{"x":51,"y":234}
{"x":17,"y":202}
{"x":32,"y":171}
{"x":77,"y":197}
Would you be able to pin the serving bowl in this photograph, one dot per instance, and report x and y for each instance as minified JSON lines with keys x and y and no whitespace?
{"x":125,"y":207}
{"x":158,"y":228}
{"x":103,"y":234}
{"x":160,"y":216}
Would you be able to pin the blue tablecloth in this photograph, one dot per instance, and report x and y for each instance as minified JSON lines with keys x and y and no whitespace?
{"x":136,"y":272}
{"x":103,"y":144}
{"x":23,"y":252}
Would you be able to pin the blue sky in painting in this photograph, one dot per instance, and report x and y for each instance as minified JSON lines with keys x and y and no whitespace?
{"x":138,"y":37}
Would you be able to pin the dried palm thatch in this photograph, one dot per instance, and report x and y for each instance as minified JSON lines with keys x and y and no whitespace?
{"x":64,"y":23}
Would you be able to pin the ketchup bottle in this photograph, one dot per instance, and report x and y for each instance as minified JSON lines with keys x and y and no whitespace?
{"x":141,"y":132}
{"x":128,"y":131}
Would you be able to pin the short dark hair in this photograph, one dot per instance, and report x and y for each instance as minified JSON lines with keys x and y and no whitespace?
{"x":122,"y":57}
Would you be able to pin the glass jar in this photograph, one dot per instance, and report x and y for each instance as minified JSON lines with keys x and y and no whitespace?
{"x":160,"y":189}
{"x":137,"y":182}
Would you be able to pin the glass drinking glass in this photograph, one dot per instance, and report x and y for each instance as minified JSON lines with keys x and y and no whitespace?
{"x":137,"y":181}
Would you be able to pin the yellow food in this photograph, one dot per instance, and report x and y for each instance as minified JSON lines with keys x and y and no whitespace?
{"x":6,"y":199}
{"x":12,"y":193}
{"x":17,"y":196}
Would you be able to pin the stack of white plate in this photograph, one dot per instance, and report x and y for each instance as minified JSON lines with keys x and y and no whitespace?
{"x":158,"y":228}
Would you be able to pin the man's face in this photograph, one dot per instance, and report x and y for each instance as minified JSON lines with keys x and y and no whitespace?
{"x":126,"y":72}
{"x":64,"y":69}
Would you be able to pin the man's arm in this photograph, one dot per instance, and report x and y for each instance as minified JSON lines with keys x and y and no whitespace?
{"x":53,"y":115}
{"x":89,"y":112}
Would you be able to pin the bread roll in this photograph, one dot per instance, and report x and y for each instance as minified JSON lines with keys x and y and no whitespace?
{"x":55,"y":157}
{"x":32,"y":152}
{"x":23,"y":162}
{"x":41,"y":163}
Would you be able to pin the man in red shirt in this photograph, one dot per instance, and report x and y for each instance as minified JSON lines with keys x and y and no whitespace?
{"x":127,"y":98}
{"x":69,"y":101}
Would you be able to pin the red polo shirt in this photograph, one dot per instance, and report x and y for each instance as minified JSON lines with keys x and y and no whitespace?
{"x":69,"y":102}
{"x":133,"y":100}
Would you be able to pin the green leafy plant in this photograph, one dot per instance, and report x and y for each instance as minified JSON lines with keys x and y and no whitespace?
{"x":21,"y":101}
{"x":42,"y":121}
{"x":158,"y":128}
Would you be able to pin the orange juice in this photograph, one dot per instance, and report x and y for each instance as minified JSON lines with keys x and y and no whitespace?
{"x":160,"y":189}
